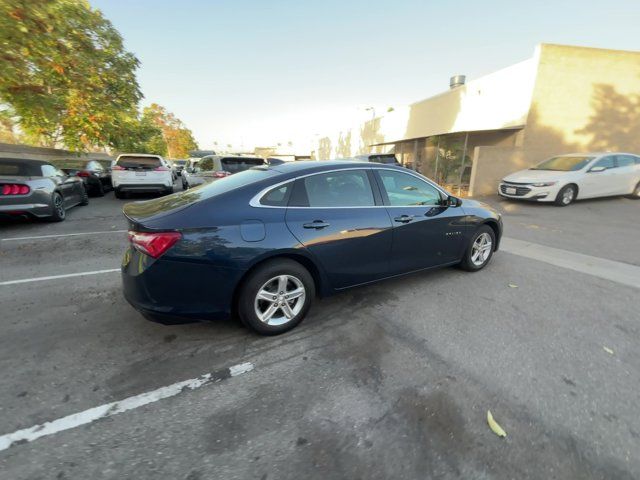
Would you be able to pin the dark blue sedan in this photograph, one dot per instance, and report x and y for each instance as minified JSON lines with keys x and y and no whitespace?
{"x":264,"y":242}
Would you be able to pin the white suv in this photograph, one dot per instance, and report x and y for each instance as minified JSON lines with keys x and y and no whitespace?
{"x":139,"y":172}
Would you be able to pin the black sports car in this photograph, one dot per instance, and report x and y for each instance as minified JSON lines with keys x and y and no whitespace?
{"x":95,"y":177}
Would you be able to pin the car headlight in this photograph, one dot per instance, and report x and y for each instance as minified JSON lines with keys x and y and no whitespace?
{"x":544,"y":184}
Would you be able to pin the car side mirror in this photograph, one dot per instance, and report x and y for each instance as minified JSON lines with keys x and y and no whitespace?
{"x":453,"y":201}
{"x":597,"y":169}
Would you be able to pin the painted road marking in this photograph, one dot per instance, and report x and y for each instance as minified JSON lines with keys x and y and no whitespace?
{"x":61,"y":235}
{"x":618,"y":272}
{"x":108,"y":410}
{"x":56,"y":277}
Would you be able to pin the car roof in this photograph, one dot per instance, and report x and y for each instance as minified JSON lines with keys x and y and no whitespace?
{"x":252,"y":157}
{"x":595,"y":154}
{"x":303,"y":165}
{"x":139,"y":155}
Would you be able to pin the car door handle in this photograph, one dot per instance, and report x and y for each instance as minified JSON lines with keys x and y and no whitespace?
{"x":317,"y":224}
{"x":403,"y":219}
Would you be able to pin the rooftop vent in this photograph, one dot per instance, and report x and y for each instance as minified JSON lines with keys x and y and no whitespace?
{"x":457,"y":81}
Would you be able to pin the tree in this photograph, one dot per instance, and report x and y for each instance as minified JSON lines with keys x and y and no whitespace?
{"x":140,"y":135}
{"x":65,"y":74}
{"x":177,"y":137}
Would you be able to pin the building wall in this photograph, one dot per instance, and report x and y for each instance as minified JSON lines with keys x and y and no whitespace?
{"x":496,"y":101}
{"x":585,"y":99}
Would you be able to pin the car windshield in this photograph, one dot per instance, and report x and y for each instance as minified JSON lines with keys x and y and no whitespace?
{"x":180,"y":162}
{"x":564,"y":163}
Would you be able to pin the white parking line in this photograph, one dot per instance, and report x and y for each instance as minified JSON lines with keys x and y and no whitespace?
{"x":618,"y":272}
{"x":55,"y":277}
{"x":37,"y":237}
{"x":110,"y":409}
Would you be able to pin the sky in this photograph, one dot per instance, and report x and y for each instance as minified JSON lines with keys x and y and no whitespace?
{"x":258,"y":73}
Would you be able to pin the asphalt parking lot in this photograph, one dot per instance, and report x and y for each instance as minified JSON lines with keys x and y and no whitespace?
{"x":388,"y":381}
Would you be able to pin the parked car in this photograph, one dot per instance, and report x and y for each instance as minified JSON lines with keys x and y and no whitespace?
{"x":107,"y":164}
{"x":566,"y":178}
{"x":38,"y":189}
{"x":136,"y":172}
{"x":169,"y":164}
{"x":215,"y":167}
{"x":386,"y":158}
{"x":96,"y":179}
{"x":265,"y":241}
{"x":179,"y":165}
{"x":190,"y":178}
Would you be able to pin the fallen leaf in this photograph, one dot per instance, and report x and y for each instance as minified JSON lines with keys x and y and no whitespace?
{"x":493,"y":425}
{"x":608,"y":350}
{"x":513,"y":285}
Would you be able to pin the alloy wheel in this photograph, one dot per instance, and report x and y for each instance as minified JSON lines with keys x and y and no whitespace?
{"x":59,"y":206}
{"x":279,"y":299}
{"x":481,"y":249}
{"x":567,"y":196}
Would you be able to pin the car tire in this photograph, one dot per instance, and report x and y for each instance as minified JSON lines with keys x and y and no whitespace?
{"x":566,"y":195}
{"x":636,"y":192}
{"x":59,"y":210}
{"x":260,"y":293}
{"x":480,"y":249}
{"x":84,"y":196}
{"x":119,"y":193}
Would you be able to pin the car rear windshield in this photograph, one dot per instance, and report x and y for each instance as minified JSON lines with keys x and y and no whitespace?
{"x":139,"y":163}
{"x":383,"y":159}
{"x":236,"y":165}
{"x":10,"y":167}
{"x":564,"y":163}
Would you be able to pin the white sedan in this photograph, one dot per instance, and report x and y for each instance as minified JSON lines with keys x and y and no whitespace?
{"x":566,"y":178}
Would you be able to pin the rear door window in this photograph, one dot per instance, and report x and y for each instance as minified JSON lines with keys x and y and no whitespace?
{"x":235,"y":165}
{"x":625,"y":160}
{"x":347,"y":188}
{"x":139,"y":163}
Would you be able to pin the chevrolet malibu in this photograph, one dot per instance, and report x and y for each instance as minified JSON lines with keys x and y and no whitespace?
{"x":261,"y":244}
{"x":566,"y":178}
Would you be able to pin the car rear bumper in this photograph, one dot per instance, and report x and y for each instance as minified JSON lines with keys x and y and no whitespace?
{"x":143,"y":188}
{"x":16,"y":208}
{"x":170,"y":291}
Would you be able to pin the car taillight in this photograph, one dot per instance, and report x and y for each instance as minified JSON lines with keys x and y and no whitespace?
{"x":83,"y":173}
{"x":117,"y":167}
{"x":221,"y":174}
{"x":14,"y":189}
{"x":161,"y":169}
{"x":154,"y":244}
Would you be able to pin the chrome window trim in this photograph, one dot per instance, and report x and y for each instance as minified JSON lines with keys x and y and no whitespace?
{"x":255,"y":200}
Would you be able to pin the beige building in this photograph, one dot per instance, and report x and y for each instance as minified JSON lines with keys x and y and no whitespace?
{"x":563,"y":99}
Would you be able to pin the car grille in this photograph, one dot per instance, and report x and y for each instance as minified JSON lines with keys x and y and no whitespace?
{"x":520,"y":191}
